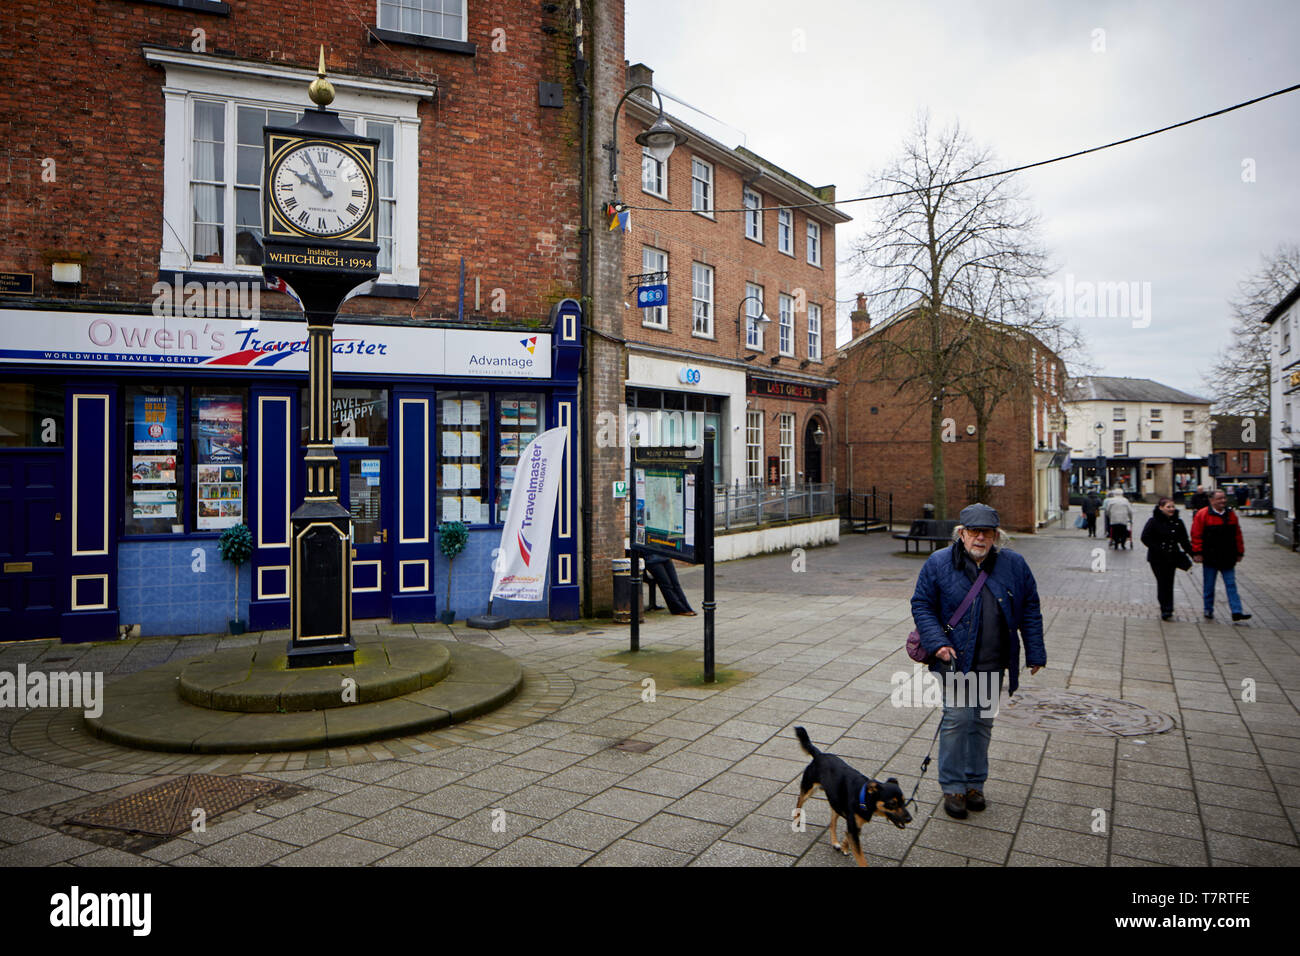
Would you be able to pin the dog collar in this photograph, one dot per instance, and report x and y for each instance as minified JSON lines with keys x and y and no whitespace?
{"x":862,"y":796}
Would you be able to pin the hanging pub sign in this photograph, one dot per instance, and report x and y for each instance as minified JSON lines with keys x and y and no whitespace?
{"x":795,"y":390}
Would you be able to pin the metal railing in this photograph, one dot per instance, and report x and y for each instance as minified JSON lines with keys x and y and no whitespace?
{"x":738,"y":506}
{"x":872,"y":511}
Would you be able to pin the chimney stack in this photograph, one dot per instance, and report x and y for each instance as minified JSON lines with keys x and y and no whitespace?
{"x":860,"y":319}
{"x":638,"y":74}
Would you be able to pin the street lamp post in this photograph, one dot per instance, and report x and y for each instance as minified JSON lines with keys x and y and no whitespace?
{"x":661,"y":139}
{"x":742,"y":338}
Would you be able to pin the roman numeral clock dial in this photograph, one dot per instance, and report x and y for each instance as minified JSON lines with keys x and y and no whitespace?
{"x":322,"y":190}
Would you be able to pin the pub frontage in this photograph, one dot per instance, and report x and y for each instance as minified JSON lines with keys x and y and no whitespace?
{"x":130,"y":441}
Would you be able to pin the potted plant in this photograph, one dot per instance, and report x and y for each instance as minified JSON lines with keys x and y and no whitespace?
{"x":236,"y":546}
{"x":452,"y":538}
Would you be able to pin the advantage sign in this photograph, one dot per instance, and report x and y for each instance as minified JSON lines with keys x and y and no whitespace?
{"x":649,"y":296}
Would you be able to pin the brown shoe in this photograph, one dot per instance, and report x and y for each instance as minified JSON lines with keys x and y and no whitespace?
{"x":975,"y":800}
{"x":954,"y":804}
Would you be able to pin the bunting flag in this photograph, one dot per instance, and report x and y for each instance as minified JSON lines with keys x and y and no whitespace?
{"x":619,"y":216}
{"x":276,"y":284}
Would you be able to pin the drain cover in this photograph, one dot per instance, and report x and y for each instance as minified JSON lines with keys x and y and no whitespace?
{"x":1063,"y":711}
{"x":167,"y":809}
{"x":633,"y":746}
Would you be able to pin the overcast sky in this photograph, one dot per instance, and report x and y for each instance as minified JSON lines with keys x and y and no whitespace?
{"x":828,"y":89}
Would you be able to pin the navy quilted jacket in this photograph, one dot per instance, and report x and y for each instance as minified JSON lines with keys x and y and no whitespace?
{"x":943,"y":584}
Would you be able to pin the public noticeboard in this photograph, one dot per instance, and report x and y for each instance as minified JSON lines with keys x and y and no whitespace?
{"x":669,"y":515}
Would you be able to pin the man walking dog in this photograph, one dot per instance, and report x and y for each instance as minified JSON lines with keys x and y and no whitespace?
{"x":1002,"y":611}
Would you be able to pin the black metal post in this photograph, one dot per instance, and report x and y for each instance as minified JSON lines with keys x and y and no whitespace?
{"x":705,"y":503}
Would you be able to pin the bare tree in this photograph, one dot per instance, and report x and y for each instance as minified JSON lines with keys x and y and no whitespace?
{"x":998,"y":358}
{"x":1238,"y":380}
{"x":936,"y":238}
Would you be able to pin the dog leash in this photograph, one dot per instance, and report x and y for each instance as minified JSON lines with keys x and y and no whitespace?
{"x":925,"y":764}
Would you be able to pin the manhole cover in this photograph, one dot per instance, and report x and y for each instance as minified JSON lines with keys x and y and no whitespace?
{"x":167,"y":809}
{"x":1063,"y":711}
{"x":633,"y":746}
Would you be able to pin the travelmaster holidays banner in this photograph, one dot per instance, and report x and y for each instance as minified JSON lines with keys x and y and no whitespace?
{"x":520,"y":570}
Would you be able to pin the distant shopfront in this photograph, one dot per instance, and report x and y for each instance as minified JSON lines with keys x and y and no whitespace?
{"x":129,"y":442}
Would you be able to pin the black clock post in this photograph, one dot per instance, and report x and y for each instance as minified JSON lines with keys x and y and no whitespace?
{"x":323,"y":249}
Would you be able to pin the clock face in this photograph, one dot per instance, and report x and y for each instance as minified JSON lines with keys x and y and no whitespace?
{"x":321,"y":190}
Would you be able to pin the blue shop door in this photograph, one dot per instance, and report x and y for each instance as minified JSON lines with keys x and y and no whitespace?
{"x":365,"y":478}
{"x":30,"y":544}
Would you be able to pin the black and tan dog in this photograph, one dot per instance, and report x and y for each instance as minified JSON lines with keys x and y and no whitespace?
{"x":852,"y":795}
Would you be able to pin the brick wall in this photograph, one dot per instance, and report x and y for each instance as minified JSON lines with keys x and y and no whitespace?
{"x":606,"y":368}
{"x":883,"y":439}
{"x":498,"y":173}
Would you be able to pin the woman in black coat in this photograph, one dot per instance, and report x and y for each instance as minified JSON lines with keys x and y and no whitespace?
{"x":1168,"y":550}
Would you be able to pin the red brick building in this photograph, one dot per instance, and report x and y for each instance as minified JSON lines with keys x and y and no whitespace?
{"x":747,"y":335}
{"x":883,"y":439}
{"x":132,"y":286}
{"x":1242,"y":440}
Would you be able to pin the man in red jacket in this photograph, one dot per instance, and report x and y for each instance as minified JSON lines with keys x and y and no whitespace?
{"x":1217,"y":546}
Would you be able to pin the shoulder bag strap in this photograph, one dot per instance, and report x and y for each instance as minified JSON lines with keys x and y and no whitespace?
{"x":970,"y":597}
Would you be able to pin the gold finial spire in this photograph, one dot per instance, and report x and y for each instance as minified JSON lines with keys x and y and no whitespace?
{"x":321,"y":90}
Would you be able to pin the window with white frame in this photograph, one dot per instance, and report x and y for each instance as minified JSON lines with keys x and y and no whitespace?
{"x":213,"y":157}
{"x":785,"y":231}
{"x":654,"y":175}
{"x":1187,"y":414}
{"x":814,"y":243}
{"x":1157,"y":414}
{"x":753,"y":216}
{"x":1189,"y":439}
{"x":444,"y":19}
{"x":701,"y":186}
{"x":226,"y":179}
{"x":815,"y":332}
{"x":701,"y":300}
{"x":1118,"y":413}
{"x":785,"y":336}
{"x":655,"y":260}
{"x":753,"y":312}
{"x":787,"y":448}
{"x":754,"y":447}
{"x":1117,"y":445}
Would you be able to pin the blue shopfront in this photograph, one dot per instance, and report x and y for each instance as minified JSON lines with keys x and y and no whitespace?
{"x":130,"y":442}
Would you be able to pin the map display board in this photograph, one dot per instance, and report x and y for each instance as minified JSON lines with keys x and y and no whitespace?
{"x":667,"y":519}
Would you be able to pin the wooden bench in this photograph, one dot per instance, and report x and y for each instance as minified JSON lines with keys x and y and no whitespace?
{"x":933,"y":530}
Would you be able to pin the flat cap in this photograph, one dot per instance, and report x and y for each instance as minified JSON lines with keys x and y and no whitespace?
{"x":978,"y":516}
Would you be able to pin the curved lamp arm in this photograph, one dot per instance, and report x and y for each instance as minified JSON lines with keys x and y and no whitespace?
{"x":656,"y":137}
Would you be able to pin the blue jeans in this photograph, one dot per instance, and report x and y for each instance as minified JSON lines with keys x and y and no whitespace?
{"x":964,"y":746}
{"x":1229,"y":585}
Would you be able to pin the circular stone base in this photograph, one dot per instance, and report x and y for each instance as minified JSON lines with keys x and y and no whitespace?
{"x":257,"y":679}
{"x":145,"y":710}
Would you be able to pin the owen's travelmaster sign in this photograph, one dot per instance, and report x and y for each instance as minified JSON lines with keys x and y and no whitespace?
{"x":100,"y":340}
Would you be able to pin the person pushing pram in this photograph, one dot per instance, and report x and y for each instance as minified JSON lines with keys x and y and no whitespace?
{"x":1119,"y":518}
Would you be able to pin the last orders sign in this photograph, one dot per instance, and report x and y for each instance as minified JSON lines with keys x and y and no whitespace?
{"x":795,"y":390}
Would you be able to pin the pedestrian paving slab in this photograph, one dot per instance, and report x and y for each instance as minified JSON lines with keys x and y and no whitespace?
{"x":582,"y":768}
